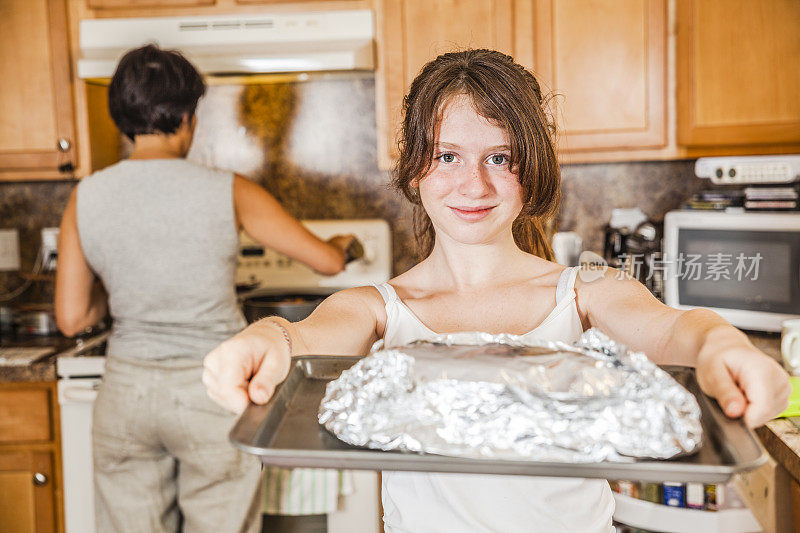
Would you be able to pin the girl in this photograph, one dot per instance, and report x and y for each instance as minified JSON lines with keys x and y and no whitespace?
{"x":478,"y":163}
{"x":153,"y":240}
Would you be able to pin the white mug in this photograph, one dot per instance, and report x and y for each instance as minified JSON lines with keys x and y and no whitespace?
{"x":567,"y":247}
{"x":790,"y":345}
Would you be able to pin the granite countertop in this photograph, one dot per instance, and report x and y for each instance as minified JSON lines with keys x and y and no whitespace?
{"x":780,"y":437}
{"x":44,"y":368}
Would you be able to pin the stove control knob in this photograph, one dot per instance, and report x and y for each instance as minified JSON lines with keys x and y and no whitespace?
{"x":369,"y":253}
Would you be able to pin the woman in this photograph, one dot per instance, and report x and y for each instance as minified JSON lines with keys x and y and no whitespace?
{"x":153,"y":240}
{"x":477,"y":161}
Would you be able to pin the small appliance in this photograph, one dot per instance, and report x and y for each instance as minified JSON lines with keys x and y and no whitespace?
{"x":749,"y":170}
{"x":743,"y":265}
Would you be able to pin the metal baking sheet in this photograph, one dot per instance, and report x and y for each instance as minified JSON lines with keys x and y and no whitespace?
{"x":285,"y":432}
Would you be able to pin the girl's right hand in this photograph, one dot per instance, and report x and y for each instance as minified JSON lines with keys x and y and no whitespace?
{"x":247,"y":367}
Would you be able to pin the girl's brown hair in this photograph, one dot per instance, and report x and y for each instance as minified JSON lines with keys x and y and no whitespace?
{"x":505,"y":93}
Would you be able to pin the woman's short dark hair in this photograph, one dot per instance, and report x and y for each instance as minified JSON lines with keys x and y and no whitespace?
{"x":152,"y":89}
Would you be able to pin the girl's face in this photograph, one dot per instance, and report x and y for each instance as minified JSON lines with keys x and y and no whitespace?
{"x":470,"y":194}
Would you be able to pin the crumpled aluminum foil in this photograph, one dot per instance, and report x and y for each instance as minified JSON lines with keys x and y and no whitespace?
{"x":496,"y":396}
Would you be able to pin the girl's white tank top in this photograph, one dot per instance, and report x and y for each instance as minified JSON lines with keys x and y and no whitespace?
{"x":422,"y":502}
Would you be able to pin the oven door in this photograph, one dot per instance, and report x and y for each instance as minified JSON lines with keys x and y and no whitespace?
{"x":76,"y":398}
{"x":744,"y":266}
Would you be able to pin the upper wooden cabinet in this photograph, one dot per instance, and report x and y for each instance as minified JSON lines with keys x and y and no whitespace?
{"x":738,"y":72}
{"x":603,"y":60}
{"x":412,"y":32}
{"x":605,"y":63}
{"x":36,"y":119}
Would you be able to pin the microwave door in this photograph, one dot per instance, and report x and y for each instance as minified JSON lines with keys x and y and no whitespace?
{"x":750,"y":277}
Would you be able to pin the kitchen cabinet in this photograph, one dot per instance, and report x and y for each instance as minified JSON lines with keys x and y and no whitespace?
{"x":605,"y":63}
{"x":612,"y":68}
{"x":26,"y":482}
{"x":738,"y":72}
{"x":412,"y":32}
{"x":30,"y":458}
{"x":603,"y":60}
{"x":36,"y":116}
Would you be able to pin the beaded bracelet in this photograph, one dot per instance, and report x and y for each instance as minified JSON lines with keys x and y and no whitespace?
{"x":286,"y":335}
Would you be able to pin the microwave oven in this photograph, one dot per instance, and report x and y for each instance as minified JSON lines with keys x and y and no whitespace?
{"x":745,"y":266}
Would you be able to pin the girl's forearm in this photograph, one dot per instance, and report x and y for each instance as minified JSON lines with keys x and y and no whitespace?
{"x":288,"y":330}
{"x":695,"y":330}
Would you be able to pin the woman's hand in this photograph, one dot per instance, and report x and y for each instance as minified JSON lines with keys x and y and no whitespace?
{"x":745,"y":381}
{"x":260,"y":215}
{"x":247,"y":367}
{"x":343,"y":243}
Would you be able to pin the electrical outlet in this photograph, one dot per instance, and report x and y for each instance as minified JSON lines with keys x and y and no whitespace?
{"x":49,"y":248}
{"x":9,"y":250}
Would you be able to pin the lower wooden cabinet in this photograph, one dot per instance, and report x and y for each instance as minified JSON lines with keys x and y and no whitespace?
{"x":28,"y":504}
{"x":30,"y":459}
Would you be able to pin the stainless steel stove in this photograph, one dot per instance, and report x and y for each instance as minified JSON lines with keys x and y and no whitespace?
{"x":79,"y":370}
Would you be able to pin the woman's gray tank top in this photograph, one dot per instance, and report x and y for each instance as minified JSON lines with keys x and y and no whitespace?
{"x":161,"y":235}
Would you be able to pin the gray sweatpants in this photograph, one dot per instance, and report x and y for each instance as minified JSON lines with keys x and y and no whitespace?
{"x":162,"y":459}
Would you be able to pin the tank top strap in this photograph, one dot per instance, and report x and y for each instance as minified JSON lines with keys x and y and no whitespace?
{"x":566,"y":283}
{"x":387,"y":292}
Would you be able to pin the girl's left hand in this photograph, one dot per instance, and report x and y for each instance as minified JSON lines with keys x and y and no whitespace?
{"x":744,"y":380}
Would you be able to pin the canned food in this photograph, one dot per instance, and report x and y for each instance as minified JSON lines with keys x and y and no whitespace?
{"x":674,"y":494}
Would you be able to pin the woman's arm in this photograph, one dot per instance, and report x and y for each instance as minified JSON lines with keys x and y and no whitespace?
{"x":265,"y":220}
{"x":81,"y":300}
{"x":744,"y":380}
{"x":248,"y":366}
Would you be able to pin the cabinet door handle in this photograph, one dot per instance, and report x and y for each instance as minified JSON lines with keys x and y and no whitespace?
{"x":63,"y":144}
{"x":40,"y":479}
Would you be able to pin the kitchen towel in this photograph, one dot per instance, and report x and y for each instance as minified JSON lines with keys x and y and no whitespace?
{"x":304,"y":491}
{"x":794,"y":399}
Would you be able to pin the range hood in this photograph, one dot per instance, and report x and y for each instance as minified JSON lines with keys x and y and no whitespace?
{"x":236,"y":44}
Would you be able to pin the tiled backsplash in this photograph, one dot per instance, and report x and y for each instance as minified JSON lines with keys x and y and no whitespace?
{"x":29,"y":207}
{"x":313,"y":145}
{"x":590,"y":192}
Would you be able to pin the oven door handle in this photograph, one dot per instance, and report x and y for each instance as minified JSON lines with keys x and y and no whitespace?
{"x":79,"y":394}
